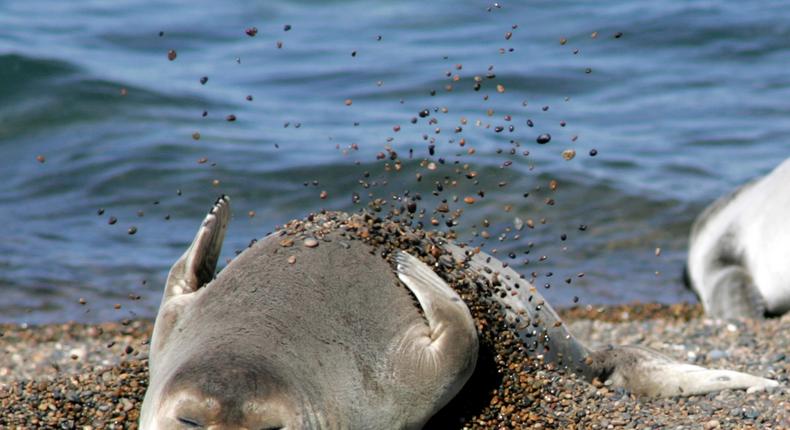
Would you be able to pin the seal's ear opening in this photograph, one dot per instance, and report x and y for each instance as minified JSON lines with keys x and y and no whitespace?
{"x":197,"y":266}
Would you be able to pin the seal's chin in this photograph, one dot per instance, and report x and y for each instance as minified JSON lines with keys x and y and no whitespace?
{"x":191,"y":409}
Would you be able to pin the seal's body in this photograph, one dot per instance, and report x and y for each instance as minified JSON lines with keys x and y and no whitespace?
{"x":304,"y":337}
{"x":739,"y":251}
{"x":313,"y":334}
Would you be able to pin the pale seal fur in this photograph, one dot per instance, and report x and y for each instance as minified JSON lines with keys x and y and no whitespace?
{"x":333,"y":339}
{"x":739,"y":250}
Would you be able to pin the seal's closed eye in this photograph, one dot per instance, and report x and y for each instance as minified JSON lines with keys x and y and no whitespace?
{"x":189,"y":422}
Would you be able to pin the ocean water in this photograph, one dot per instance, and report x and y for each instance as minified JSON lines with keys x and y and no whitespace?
{"x":681,"y":100}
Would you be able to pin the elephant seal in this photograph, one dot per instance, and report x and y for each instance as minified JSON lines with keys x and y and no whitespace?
{"x":315,"y":327}
{"x":317,"y":334}
{"x":739,"y":250}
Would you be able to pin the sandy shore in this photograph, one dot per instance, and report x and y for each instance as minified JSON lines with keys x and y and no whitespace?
{"x":94,"y":376}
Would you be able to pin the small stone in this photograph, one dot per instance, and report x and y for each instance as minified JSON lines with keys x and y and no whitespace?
{"x":126,"y":404}
{"x":40,"y":158}
{"x":568,"y":154}
{"x":348,"y":102}
{"x":469,"y":200}
{"x":544,"y":138}
{"x":310,"y":242}
{"x":171,"y":55}
{"x":717,"y":354}
{"x":252,"y":31}
{"x":292,"y":259}
{"x":711,"y":425}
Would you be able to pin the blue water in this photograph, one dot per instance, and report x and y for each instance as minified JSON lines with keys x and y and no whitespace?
{"x":690,"y":101}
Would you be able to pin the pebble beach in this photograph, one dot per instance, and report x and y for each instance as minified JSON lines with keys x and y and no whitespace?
{"x":94,"y":376}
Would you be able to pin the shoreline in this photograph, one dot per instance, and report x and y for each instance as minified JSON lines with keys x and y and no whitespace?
{"x":95,"y":374}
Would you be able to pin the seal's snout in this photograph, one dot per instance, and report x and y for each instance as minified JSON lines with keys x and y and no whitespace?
{"x":187,"y":409}
{"x":232,"y":396}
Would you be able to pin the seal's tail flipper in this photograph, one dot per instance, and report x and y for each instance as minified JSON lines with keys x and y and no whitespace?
{"x":639,"y":370}
{"x":643,"y":371}
{"x":196,"y":266}
{"x":536,"y":322}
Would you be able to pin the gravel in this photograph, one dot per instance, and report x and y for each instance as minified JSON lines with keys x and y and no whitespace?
{"x":94,"y":376}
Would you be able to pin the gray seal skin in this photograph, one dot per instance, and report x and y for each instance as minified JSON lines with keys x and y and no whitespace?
{"x":332,"y":340}
{"x":739,"y":250}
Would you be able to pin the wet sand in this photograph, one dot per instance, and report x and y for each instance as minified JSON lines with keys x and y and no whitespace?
{"x":77,"y":375}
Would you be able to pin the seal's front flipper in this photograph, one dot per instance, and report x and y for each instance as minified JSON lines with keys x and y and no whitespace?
{"x":194,"y":269}
{"x":646,"y":372}
{"x":442,"y":354}
{"x":734,"y":295}
{"x":196,"y":266}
